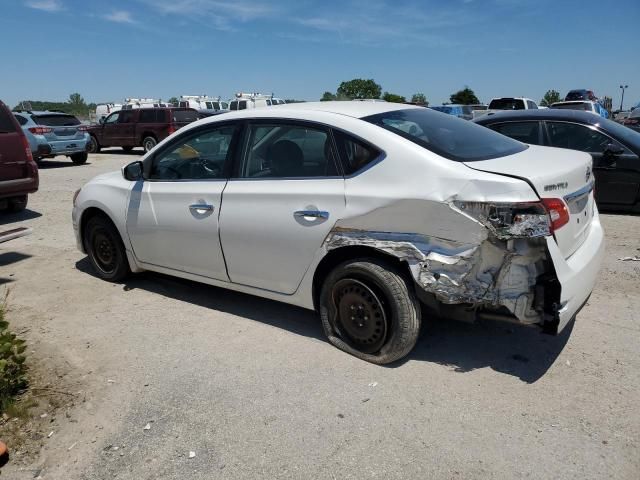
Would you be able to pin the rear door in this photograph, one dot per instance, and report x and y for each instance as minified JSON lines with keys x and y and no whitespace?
{"x":284,"y":199}
{"x":617,"y":176}
{"x":12,"y":150}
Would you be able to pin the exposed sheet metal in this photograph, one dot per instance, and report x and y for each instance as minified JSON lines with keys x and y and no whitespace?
{"x":478,"y":268}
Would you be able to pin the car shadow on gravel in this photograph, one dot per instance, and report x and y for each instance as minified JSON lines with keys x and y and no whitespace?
{"x":7,"y":218}
{"x":287,"y":317}
{"x":119,"y":151}
{"x":52,"y":164}
{"x":520,"y":351}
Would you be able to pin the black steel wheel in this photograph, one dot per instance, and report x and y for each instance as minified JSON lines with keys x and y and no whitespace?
{"x":361,"y":316}
{"x":369,"y":309}
{"x":105,"y":249}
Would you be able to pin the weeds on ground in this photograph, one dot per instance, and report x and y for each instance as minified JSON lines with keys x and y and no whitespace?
{"x":13,"y":371}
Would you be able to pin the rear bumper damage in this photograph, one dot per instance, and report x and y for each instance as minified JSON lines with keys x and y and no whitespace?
{"x":526,"y":280}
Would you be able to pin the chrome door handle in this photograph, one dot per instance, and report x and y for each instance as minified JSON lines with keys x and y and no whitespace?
{"x":311,"y":213}
{"x":201,"y":206}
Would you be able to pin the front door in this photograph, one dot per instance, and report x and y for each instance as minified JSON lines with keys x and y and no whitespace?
{"x":284,"y":199}
{"x":617,"y":175}
{"x":172,"y":217}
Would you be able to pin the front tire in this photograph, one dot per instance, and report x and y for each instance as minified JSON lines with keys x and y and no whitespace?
{"x":94,"y":146}
{"x":105,"y":249}
{"x":79,"y":158}
{"x":148,"y":143}
{"x":369,"y":310}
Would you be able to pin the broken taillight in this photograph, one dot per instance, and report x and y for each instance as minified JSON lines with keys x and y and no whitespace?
{"x":558,"y":212}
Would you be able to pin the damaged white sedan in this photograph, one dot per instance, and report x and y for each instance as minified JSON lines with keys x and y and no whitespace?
{"x":376,"y":215}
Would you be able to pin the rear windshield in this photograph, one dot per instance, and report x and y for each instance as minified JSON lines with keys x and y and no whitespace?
{"x":443,"y":109}
{"x":506,"y":104}
{"x":185,"y":116}
{"x":448,"y":136}
{"x":573,"y":106}
{"x":56,"y":120}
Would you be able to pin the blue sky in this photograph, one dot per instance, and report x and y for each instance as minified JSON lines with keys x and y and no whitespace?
{"x":163,"y":48}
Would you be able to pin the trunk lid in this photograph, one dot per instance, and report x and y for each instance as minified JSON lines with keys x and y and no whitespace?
{"x":554,"y":173}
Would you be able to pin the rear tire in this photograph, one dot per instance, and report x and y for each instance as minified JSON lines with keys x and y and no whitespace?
{"x":18,"y":204}
{"x":148,"y":143}
{"x":105,"y":249}
{"x":79,"y":158}
{"x":369,"y":310}
{"x":93,"y":146}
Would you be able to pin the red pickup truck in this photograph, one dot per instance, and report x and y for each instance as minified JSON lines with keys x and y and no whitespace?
{"x":18,"y":170}
{"x":140,"y":127}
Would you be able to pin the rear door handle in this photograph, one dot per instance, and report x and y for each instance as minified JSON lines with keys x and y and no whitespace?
{"x":311,"y":213}
{"x":201,"y":207}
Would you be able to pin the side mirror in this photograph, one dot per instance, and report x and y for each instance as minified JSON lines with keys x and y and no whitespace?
{"x":133,"y":171}
{"x":613,"y":149}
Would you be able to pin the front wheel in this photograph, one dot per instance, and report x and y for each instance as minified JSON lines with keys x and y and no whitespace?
{"x":105,"y":249}
{"x":79,"y":158}
{"x":369,"y":310}
{"x":148,"y":143}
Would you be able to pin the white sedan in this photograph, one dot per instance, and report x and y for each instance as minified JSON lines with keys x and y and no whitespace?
{"x":377,"y":215}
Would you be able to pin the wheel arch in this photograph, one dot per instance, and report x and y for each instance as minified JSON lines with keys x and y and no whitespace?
{"x":352,"y":252}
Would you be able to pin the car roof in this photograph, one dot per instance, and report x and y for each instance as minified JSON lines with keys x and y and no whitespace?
{"x":546,"y":114}
{"x":346,"y":107}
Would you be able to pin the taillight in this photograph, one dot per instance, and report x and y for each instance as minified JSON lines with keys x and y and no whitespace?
{"x":27,"y":148}
{"x":558,"y":212}
{"x":508,"y":220}
{"x":172,"y":128}
{"x":40,"y":130}
{"x":83,"y":128}
{"x":630,"y":121}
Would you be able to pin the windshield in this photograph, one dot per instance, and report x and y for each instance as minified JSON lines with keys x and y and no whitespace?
{"x":446,"y":135}
{"x":56,"y":120}
{"x":506,"y":104}
{"x":622,"y":133}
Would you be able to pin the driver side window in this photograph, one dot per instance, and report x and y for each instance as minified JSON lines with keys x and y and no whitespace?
{"x":200,"y":156}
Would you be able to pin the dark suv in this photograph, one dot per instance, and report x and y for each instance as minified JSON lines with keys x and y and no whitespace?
{"x":580,"y":94}
{"x":140,"y":127}
{"x":18,"y":171}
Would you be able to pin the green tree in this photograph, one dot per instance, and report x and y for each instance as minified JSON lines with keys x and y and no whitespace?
{"x":359,"y":88}
{"x":393,"y":98}
{"x":552,"y":96}
{"x":327,"y":97}
{"x":419,"y":98}
{"x":173,"y":100}
{"x":77,"y":104}
{"x":464,"y":97}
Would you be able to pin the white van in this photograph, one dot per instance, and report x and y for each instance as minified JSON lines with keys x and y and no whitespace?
{"x":202,"y":102}
{"x":104,"y":109}
{"x":131,"y":103}
{"x":244,"y":101}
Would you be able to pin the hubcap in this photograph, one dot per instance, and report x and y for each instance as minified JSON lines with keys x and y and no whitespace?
{"x":361,"y":316}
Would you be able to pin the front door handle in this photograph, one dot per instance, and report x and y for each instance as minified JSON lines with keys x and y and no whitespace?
{"x":311,"y":213}
{"x":201,"y":207}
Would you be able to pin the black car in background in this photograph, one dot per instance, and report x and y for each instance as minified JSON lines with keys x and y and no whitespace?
{"x":615,"y":148}
{"x":580,"y":94}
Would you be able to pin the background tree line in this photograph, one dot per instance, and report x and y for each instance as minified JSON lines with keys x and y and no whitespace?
{"x":76,"y":105}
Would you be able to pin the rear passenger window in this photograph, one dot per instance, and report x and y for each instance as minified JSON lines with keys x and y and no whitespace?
{"x":288,"y":151}
{"x":148,"y":116}
{"x":525,"y":132}
{"x":354,"y":153}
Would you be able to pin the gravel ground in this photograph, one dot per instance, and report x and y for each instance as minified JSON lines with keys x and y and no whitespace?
{"x":161,"y":367}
